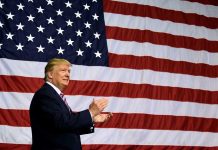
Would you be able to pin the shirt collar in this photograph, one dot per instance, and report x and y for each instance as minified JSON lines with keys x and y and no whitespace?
{"x":54,"y":87}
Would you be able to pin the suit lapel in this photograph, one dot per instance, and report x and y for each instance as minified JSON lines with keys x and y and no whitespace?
{"x":56,"y":96}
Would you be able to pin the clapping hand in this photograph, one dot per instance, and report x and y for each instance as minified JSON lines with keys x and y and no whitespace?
{"x":102,"y":117}
{"x":96,"y":108}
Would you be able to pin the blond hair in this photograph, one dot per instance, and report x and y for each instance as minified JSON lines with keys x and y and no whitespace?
{"x":54,"y":62}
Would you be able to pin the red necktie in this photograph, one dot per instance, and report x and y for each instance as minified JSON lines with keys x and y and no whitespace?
{"x":65,"y":101}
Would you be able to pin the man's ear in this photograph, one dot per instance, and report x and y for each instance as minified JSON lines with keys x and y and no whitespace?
{"x":50,"y":75}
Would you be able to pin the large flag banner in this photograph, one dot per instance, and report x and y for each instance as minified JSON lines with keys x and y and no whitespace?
{"x":156,"y":61}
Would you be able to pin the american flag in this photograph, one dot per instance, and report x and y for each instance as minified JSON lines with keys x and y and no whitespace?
{"x":156,"y":61}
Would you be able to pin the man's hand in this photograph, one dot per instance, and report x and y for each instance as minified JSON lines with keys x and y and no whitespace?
{"x":102,"y":117}
{"x":97,"y":106}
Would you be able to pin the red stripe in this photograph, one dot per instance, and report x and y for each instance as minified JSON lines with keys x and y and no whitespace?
{"x":117,"y":89}
{"x":144,"y":147}
{"x":125,"y":34}
{"x":127,"y":121}
{"x":14,"y":117}
{"x":206,"y":2}
{"x":162,"y":65}
{"x":20,"y":84}
{"x":4,"y":146}
{"x":160,"y":122}
{"x":95,"y":88}
{"x":160,"y":13}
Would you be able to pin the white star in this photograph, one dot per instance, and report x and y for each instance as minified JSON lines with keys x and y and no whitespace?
{"x":60,"y":31}
{"x":10,"y":36}
{"x":97,"y":54}
{"x":1,"y":24}
{"x":78,"y":14}
{"x":97,"y":35}
{"x":1,"y":4}
{"x":40,"y":10}
{"x":88,"y":25}
{"x":40,"y":28}
{"x":79,"y":52}
{"x":10,"y":16}
{"x":60,"y":51}
{"x":50,"y":20}
{"x":79,"y":33}
{"x":1,"y":45}
{"x":40,"y":49}
{"x":30,"y":38}
{"x":68,"y":4}
{"x":88,"y":44}
{"x":86,"y":6}
{"x":30,"y":18}
{"x":95,"y":16}
{"x":30,"y":0}
{"x":59,"y":12}
{"x":19,"y":47}
{"x":20,"y":26}
{"x":50,"y":40}
{"x":69,"y":22}
{"x":70,"y":42}
{"x":49,"y":2}
{"x":94,"y":0}
{"x":20,"y":6}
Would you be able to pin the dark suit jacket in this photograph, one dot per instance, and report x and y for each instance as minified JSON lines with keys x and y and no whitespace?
{"x":53,"y":126}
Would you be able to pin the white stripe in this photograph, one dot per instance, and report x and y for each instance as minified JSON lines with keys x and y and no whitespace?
{"x":14,"y":100}
{"x":106,"y":74}
{"x":22,"y":68}
{"x":10,"y":100}
{"x":148,"y":106}
{"x":16,"y":135}
{"x":156,"y":25}
{"x":150,"y":137}
{"x":22,"y":135}
{"x":161,"y":51}
{"x":179,"y":5}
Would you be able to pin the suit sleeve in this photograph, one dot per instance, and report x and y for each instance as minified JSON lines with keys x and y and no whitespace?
{"x":47,"y":110}
{"x":90,"y":129}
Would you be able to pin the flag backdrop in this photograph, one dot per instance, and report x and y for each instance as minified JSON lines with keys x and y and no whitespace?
{"x":156,"y":61}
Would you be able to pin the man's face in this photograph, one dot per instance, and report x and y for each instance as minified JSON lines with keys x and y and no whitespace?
{"x":60,"y":76}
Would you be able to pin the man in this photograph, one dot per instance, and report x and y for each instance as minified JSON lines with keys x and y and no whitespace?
{"x":54,"y":125}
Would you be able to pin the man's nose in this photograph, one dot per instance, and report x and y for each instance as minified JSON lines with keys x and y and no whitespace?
{"x":67,"y":73}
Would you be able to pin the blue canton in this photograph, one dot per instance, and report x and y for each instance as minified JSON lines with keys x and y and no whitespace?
{"x":38,"y":30}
